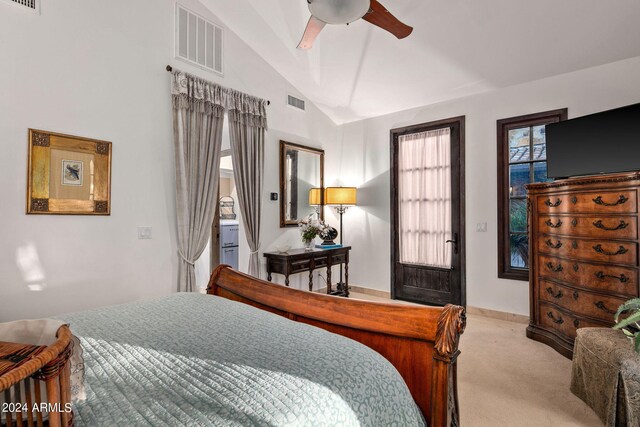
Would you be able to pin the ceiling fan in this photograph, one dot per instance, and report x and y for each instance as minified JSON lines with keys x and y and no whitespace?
{"x":339,"y":12}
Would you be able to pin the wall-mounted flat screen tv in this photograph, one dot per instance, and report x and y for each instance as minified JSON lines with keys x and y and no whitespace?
{"x":605,"y":142}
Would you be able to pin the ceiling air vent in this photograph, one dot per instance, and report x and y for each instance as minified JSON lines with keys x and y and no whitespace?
{"x":198,"y":40}
{"x":32,"y":5}
{"x":294,"y":102}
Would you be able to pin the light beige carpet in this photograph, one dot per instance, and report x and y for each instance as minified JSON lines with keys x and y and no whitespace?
{"x":506,"y":379}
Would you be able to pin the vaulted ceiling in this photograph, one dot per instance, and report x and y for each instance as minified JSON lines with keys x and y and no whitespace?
{"x":458,"y":48}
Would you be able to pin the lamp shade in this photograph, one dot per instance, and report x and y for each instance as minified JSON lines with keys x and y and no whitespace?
{"x":315,"y":197}
{"x":343,"y":196}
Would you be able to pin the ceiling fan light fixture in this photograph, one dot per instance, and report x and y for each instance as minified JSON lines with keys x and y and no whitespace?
{"x":339,"y":11}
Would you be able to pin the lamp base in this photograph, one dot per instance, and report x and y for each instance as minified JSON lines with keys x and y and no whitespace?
{"x":341,"y":290}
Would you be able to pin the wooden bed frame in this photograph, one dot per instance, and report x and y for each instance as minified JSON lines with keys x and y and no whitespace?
{"x":421,"y":342}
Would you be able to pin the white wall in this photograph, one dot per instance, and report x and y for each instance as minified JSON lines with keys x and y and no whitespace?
{"x":96,"y":69}
{"x":361,"y":158}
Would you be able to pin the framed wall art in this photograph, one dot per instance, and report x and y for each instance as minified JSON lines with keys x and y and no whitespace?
{"x":68,"y":175}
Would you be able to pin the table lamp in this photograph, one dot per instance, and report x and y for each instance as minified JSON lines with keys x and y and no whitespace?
{"x":315,"y":199}
{"x":341,"y":198}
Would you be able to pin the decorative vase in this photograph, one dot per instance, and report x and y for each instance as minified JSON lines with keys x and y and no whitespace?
{"x":329,"y":236}
{"x":308,"y":245}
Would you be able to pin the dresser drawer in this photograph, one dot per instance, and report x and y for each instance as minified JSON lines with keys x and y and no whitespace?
{"x":621,"y":280}
{"x":607,"y":227}
{"x":319,"y":262}
{"x":580,"y":301}
{"x":589,"y":250}
{"x":338,"y":259}
{"x":596,"y":202}
{"x":302,"y":265}
{"x":565,"y":323}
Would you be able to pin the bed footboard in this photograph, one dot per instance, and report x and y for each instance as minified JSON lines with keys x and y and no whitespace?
{"x":421,"y":342}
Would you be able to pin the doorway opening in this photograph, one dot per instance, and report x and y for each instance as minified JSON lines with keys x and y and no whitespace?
{"x":225,"y":243}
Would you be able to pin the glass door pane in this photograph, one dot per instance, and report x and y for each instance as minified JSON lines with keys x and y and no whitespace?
{"x":424,"y":193}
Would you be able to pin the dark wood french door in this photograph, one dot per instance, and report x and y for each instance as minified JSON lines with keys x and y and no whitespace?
{"x":427,"y":213}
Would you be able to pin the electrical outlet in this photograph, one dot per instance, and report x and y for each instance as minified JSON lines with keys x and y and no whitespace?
{"x":145,"y":233}
{"x":481,"y":227}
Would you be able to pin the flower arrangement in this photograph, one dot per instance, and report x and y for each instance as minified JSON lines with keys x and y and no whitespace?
{"x":311,"y":228}
{"x":631,"y":324}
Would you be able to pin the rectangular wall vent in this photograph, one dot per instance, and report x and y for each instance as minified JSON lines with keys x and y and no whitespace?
{"x":31,"y":5}
{"x":295,"y":102}
{"x":198,"y":40}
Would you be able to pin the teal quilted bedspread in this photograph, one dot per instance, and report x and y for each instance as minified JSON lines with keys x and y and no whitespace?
{"x":200,"y":360}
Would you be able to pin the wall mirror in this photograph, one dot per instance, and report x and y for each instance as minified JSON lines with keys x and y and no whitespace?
{"x":301,"y":169}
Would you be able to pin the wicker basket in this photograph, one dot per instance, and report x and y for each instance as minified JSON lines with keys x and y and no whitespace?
{"x":35,"y":387}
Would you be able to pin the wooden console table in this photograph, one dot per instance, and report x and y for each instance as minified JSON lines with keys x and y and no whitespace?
{"x":299,"y":261}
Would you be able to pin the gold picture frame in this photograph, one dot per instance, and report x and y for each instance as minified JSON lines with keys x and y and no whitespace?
{"x":68,"y":175}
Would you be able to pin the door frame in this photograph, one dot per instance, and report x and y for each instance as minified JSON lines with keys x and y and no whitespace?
{"x":462,"y":247}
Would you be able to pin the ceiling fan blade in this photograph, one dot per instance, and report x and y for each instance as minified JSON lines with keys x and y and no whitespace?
{"x":379,"y":15}
{"x":313,"y":29}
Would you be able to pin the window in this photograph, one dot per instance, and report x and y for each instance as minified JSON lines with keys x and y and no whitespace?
{"x":424,"y":195}
{"x":522,"y":159}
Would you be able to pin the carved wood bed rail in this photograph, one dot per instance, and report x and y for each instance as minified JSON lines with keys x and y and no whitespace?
{"x":421,"y":342}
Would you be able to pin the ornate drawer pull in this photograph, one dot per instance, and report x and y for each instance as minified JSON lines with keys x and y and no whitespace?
{"x":622,"y":278}
{"x":621,"y":200}
{"x":552,"y":225}
{"x":576,"y":323}
{"x":552,"y":246}
{"x":558,"y":321}
{"x":553,"y":205}
{"x":556,"y":269}
{"x":556,"y":296}
{"x":575,"y":295}
{"x":622,"y":250}
{"x":601,"y":306}
{"x":600,"y":225}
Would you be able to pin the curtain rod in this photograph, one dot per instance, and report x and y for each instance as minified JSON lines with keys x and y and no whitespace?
{"x":170,"y":69}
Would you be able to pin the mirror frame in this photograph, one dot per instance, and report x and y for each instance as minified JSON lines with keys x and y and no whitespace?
{"x":284,"y":145}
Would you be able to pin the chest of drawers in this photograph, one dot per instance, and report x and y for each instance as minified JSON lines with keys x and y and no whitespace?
{"x":583,"y":251}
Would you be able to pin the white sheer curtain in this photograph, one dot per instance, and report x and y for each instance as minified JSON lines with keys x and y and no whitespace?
{"x":425,"y":198}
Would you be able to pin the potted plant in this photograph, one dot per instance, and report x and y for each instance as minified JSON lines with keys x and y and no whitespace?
{"x":310,"y":229}
{"x":630,"y":325}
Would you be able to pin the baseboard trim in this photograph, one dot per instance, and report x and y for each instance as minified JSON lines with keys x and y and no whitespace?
{"x":369,"y":291}
{"x":499,"y":315}
{"x":485,"y":312}
{"x":361,"y":290}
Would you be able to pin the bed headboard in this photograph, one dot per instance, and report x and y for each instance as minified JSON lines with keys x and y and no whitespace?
{"x":421,"y":342}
